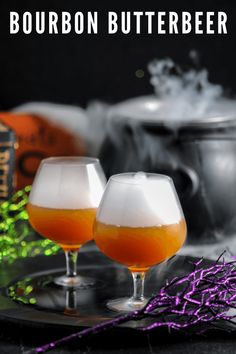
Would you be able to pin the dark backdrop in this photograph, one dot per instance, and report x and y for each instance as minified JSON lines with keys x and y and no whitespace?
{"x":74,"y":69}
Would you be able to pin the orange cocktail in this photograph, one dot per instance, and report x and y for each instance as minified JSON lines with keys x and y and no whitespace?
{"x":139,"y":223}
{"x":139,"y":248}
{"x":71,"y":228}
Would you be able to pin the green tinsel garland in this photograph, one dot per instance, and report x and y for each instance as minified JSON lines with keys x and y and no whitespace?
{"x":17,"y":239}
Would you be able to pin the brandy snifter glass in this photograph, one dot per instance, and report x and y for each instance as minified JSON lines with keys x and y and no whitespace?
{"x":62,"y":206}
{"x":139,"y":223}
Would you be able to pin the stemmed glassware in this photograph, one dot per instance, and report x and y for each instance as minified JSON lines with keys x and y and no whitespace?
{"x":62,"y":207}
{"x":139,"y":223}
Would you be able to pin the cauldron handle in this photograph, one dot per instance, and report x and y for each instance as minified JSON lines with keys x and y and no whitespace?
{"x":193,"y":179}
{"x":181,"y":173}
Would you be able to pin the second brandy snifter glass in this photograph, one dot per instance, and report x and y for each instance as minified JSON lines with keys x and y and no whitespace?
{"x":62,"y":206}
{"x":139,"y":223}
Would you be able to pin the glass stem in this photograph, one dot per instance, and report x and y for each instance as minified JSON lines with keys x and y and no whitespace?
{"x":138,"y":279}
{"x":71,"y":263}
{"x":71,"y":299}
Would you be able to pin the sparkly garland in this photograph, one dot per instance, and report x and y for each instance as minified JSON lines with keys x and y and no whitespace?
{"x":201,"y":300}
{"x":17,"y":240}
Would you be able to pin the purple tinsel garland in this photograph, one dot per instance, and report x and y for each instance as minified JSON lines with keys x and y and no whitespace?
{"x":202,"y":297}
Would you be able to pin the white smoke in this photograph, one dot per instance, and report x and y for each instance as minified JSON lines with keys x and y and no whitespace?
{"x":186,"y":94}
{"x":179,"y":96}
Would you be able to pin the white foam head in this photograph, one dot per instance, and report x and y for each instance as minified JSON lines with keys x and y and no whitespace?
{"x":139,"y":200}
{"x":68,"y":183}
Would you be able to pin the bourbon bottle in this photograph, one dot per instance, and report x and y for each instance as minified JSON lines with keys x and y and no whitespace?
{"x":7,"y":161}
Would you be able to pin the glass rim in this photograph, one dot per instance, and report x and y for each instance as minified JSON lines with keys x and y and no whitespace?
{"x":70,"y":160}
{"x":116,"y":177}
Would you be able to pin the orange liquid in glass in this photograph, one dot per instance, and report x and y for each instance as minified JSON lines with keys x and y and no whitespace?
{"x":140,"y":247}
{"x":68,"y":227}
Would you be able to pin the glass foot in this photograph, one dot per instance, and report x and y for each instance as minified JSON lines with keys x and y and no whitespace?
{"x":126,"y":304}
{"x":77,"y":282}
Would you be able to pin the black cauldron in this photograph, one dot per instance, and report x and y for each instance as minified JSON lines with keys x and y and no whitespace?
{"x":200,"y":156}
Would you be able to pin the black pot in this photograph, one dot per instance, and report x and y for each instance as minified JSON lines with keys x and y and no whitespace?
{"x":199,"y":155}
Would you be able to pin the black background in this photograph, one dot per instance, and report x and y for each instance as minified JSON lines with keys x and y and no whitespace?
{"x":74,"y":68}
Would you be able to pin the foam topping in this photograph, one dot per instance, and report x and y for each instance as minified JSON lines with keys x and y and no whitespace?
{"x":139,"y":200}
{"x":65,"y":186}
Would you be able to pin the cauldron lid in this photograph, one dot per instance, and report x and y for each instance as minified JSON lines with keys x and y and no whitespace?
{"x":150,"y":109}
